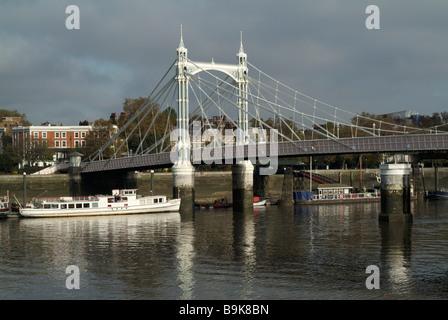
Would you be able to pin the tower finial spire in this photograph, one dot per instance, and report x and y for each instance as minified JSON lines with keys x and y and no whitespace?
{"x":242,"y":56}
{"x":241,"y":42}
{"x":181,"y":44}
{"x":181,"y":50}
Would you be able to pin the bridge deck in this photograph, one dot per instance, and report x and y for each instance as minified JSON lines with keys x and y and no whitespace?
{"x":376,"y":144}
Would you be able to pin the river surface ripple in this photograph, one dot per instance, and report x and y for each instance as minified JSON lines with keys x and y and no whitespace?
{"x":304,"y":252}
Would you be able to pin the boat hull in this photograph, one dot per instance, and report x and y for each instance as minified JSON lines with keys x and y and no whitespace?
{"x":169,"y":206}
{"x":437,"y":195}
{"x":4,"y":210}
{"x":260,"y":203}
{"x":338,"y":201}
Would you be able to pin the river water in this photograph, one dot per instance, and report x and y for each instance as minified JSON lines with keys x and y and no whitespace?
{"x":305,"y":252}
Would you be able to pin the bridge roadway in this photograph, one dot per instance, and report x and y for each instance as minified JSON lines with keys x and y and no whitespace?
{"x":373,"y":144}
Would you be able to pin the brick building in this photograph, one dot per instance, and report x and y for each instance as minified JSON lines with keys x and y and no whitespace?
{"x":59,"y":139}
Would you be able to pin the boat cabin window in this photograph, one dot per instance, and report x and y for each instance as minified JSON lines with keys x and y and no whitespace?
{"x":156,"y":200}
{"x":78,"y":205}
{"x":54,"y":206}
{"x":71,"y":205}
{"x":160,"y":200}
{"x":95,"y":205}
{"x":63,"y":206}
{"x":47,"y":206}
{"x":86,"y":205}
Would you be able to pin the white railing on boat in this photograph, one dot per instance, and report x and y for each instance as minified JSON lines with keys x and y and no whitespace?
{"x":66,"y":199}
{"x":347,"y":196}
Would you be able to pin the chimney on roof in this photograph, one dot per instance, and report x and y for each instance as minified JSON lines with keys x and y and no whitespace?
{"x":113,"y":118}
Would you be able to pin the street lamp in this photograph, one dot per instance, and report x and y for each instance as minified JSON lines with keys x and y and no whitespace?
{"x":152,"y":182}
{"x":24,"y":188}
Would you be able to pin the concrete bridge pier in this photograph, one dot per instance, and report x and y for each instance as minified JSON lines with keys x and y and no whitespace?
{"x":242,"y":185}
{"x":261,"y":183}
{"x":183,"y":185}
{"x":74,"y":172}
{"x":287,"y":198}
{"x":395,"y":193}
{"x":75,"y":182}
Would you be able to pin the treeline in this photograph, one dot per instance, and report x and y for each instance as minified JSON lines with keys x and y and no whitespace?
{"x":134,"y":138}
{"x":139,"y":135}
{"x":155,"y":123}
{"x":9,"y":157}
{"x":362,"y":125}
{"x":437,"y":119}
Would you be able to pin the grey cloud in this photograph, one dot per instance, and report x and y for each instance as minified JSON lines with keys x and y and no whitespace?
{"x":123,"y":48}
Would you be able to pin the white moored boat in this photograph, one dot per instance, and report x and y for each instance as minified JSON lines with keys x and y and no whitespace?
{"x":124,"y":201}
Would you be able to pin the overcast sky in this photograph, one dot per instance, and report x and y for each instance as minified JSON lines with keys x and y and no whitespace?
{"x":320,"y":47}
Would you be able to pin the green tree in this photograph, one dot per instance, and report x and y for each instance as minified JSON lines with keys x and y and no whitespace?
{"x":444,"y":116}
{"x":7,"y":162}
{"x":102,"y":131}
{"x":14,"y":113}
{"x":150,"y":125}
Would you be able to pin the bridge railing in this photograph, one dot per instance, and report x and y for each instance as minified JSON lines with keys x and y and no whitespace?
{"x":377,"y":144}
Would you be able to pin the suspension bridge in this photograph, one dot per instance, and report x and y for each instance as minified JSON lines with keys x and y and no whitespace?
{"x":239,"y":117}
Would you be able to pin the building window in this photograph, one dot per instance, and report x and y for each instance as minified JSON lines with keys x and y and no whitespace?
{"x":76,"y":143}
{"x":44,"y":135}
{"x":64,"y":144}
{"x":76,"y":135}
{"x":57,"y":144}
{"x":64,"y":135}
{"x":36,"y":135}
{"x":83,"y":143}
{"x":56,"y":135}
{"x":83,"y":134}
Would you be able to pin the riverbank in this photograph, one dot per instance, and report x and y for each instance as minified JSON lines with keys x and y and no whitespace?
{"x":209,"y":185}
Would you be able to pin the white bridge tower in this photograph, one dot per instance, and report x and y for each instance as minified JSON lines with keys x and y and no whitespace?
{"x":183,"y":171}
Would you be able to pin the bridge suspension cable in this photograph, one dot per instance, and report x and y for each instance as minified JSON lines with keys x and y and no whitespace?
{"x":272,"y":105}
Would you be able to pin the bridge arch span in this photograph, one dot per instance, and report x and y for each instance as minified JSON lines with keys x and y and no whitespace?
{"x":232,"y":71}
